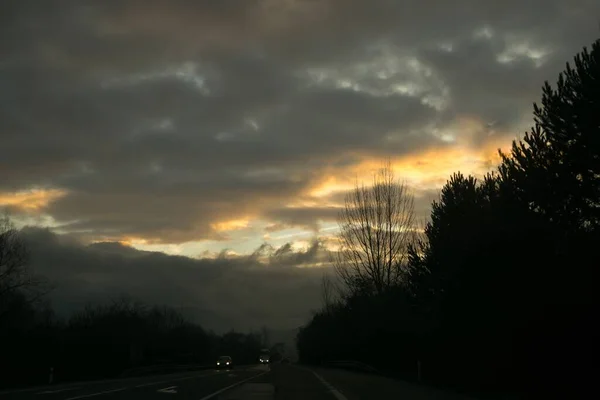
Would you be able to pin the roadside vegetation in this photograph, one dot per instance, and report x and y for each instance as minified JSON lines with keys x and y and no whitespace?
{"x":496,"y":294}
{"x":100,"y":341}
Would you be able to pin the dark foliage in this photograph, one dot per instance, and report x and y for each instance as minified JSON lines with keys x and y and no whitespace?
{"x":499,"y":295}
{"x":18,"y":286}
{"x":104,"y":341}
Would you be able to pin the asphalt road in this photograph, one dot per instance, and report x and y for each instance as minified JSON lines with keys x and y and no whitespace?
{"x":260,"y":382}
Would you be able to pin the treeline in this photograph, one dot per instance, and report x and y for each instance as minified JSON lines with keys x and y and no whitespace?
{"x":105,"y":341}
{"x":120,"y":337}
{"x":497,"y":294}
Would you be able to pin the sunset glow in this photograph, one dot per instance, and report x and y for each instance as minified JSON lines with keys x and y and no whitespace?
{"x":30,"y":200}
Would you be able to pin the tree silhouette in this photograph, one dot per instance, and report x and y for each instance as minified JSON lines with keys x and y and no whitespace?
{"x":555,"y":170}
{"x":554,"y":173}
{"x":377,"y":225}
{"x":499,"y":295}
{"x":18,"y":286}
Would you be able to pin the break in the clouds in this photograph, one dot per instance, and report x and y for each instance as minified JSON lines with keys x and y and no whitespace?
{"x":203,"y":125}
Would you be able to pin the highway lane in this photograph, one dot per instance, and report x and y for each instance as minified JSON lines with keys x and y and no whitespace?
{"x":294,"y":382}
{"x":362,"y":386}
{"x":259,"y":382}
{"x":65,"y":387}
{"x":195,"y":385}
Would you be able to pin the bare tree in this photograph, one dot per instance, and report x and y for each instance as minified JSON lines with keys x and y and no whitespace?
{"x":16,"y":280}
{"x":377,"y":225}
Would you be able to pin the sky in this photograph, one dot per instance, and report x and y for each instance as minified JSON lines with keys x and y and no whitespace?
{"x":207,"y":129}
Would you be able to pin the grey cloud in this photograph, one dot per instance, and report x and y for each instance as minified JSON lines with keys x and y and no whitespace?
{"x":315,"y":254}
{"x":338,"y":120}
{"x":423,"y":200}
{"x":161,"y":117}
{"x":305,"y":217}
{"x":118,"y":190}
{"x":173,"y":213}
{"x":274,"y":293}
{"x":304,"y":30}
{"x":498,"y":94}
{"x":309,"y":217}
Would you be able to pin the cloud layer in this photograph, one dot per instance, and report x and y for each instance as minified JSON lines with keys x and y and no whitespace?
{"x":166,"y":122}
{"x":265,"y":288}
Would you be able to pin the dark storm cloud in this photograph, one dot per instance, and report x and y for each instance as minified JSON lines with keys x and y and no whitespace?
{"x":159,"y":118}
{"x":168,"y":206}
{"x":273,"y":292}
{"x":509,"y":88}
{"x":306,"y":217}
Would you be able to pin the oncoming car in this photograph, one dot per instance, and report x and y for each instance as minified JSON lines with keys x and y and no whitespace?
{"x":264,"y":359}
{"x":224,"y":362}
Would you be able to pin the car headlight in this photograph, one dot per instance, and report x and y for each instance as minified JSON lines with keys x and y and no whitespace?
{"x":227,"y":363}
{"x":218,"y":363}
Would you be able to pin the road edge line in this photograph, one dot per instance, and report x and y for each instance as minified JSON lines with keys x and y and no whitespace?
{"x":98,"y":393}
{"x":226,"y":388}
{"x":336,"y":393}
{"x":58,"y":390}
{"x":146,"y":384}
{"x":94,"y":382}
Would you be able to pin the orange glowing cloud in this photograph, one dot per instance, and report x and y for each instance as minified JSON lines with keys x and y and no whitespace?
{"x":425,"y":170}
{"x":30,"y":201}
{"x":132,"y":242}
{"x":432,"y":168}
{"x":331,"y":185}
{"x":127,"y":241}
{"x":231,"y":225}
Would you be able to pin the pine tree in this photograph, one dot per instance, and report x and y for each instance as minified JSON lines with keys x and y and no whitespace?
{"x":552,"y":177}
{"x":555,"y":170}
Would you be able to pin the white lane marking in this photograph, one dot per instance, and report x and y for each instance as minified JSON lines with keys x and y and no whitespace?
{"x":260,"y":367}
{"x":3,"y":392}
{"x":150,"y":384}
{"x":336,"y":393}
{"x":58,"y":390}
{"x":96,"y":382}
{"x":210,"y":396}
{"x":96,"y":394}
{"x":173,"y":380}
{"x":170,"y":389}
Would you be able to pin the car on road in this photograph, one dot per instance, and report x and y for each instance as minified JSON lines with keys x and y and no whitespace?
{"x":264,"y":359}
{"x":224,"y":362}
